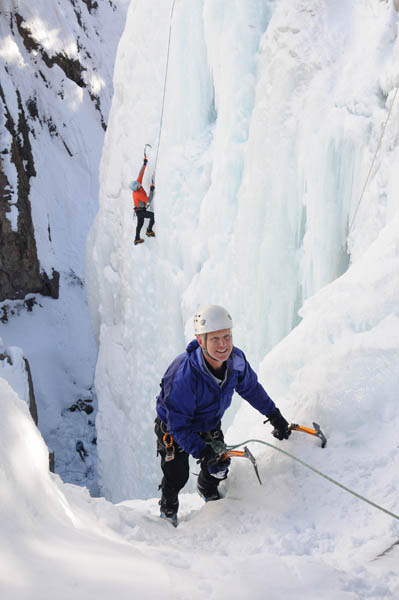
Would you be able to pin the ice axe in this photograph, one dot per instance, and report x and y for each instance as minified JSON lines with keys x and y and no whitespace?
{"x":145,"y":156}
{"x":244,"y":454}
{"x":316,"y":432}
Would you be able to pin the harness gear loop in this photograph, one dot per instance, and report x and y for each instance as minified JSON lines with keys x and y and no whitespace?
{"x":169,"y":446}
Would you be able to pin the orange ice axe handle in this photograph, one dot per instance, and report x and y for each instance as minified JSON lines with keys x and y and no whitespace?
{"x":316,"y":432}
{"x":244,"y":454}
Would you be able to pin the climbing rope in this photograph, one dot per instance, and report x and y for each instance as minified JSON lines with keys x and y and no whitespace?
{"x":368,"y":177}
{"x":318,"y":473}
{"x":164,"y":87}
{"x":372,"y":162}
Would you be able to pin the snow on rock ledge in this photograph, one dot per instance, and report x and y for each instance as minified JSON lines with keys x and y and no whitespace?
{"x":15,"y":369}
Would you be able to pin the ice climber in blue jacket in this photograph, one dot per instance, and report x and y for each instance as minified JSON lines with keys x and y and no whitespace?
{"x":196,"y":390}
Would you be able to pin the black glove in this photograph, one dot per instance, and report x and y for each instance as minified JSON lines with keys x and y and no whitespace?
{"x":216,"y":467}
{"x":281,"y":429}
{"x":219,"y":469}
{"x":152,"y":187}
{"x":145,"y":161}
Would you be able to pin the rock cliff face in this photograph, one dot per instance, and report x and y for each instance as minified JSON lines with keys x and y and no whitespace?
{"x":20,"y":272}
{"x":52,"y":65}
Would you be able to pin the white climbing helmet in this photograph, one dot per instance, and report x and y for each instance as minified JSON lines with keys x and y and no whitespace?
{"x":134,"y":186}
{"x":211,"y":318}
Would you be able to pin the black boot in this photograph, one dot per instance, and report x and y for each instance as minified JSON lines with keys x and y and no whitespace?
{"x":207,"y":487}
{"x":169,"y":511}
{"x":208,"y":495}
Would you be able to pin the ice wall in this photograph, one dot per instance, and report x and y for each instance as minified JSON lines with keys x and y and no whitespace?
{"x":268,"y":134}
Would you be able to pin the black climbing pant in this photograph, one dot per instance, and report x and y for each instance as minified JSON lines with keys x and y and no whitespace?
{"x":142,"y":214}
{"x":176,"y":471}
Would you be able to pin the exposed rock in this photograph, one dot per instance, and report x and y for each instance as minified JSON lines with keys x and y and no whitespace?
{"x":82,"y":405}
{"x":20,"y":272}
{"x":15,"y":308}
{"x":51,"y":462}
{"x":92,"y":5}
{"x":20,"y":269}
{"x":32,"y":400}
{"x":71,"y":66}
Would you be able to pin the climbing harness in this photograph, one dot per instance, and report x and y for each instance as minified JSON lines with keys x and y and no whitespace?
{"x":164,"y":87}
{"x":228,"y":451}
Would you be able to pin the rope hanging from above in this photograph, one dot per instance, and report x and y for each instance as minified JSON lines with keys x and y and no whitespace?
{"x":343,"y":249}
{"x":164,"y":87}
{"x":372,"y":162}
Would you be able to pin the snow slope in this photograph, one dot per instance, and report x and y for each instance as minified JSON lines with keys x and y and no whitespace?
{"x":49,"y":546}
{"x":257,"y":541}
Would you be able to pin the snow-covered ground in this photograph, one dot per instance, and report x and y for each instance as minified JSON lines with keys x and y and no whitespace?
{"x":269,"y":132}
{"x":295,"y":537}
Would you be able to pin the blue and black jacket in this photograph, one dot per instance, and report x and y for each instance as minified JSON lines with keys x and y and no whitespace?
{"x":191,"y":401}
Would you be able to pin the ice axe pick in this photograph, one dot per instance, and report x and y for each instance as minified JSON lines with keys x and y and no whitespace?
{"x":316,"y":432}
{"x":244,"y":454}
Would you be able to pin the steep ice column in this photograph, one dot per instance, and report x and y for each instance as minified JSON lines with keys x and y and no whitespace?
{"x":233,"y":32}
{"x":314,"y":127}
{"x":343,"y":158}
{"x":254,"y":242}
{"x":330,"y":109}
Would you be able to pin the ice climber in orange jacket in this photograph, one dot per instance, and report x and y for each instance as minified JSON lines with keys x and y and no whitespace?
{"x":141,"y":201}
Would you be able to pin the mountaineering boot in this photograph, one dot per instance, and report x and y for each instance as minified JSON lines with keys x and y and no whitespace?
{"x":172,"y":518}
{"x":207,"y":486}
{"x":138,"y":241}
{"x":209,"y":495}
{"x":150,"y":233}
{"x":169,"y":513}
